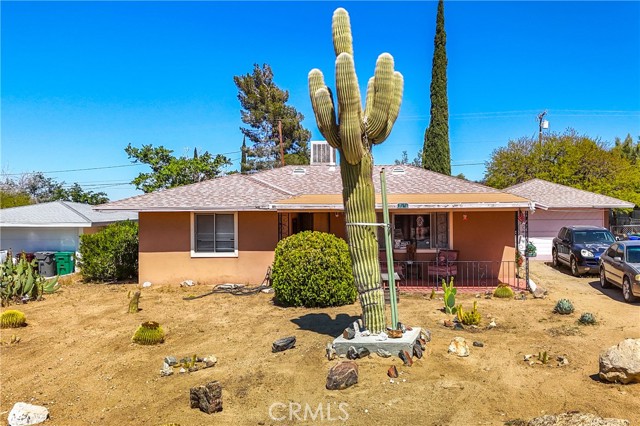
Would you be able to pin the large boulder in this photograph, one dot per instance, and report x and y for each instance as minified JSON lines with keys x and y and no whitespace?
{"x":621,"y":363}
{"x":342,"y":375}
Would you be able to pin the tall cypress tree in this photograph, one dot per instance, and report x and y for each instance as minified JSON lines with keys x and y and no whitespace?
{"x":436,"y":155}
{"x":244,"y":167}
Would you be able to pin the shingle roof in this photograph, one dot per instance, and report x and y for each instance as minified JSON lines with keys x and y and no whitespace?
{"x":553,"y":195}
{"x":60,"y":213}
{"x":275,"y":187}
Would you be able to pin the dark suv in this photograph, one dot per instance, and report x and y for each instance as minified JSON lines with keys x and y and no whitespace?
{"x":580,"y":247}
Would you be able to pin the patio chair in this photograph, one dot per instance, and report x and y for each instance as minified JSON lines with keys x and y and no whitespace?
{"x":446,"y":265}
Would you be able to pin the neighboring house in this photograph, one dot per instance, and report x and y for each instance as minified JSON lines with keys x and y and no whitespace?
{"x":559,"y":205}
{"x":226,"y":229}
{"x":54,"y":226}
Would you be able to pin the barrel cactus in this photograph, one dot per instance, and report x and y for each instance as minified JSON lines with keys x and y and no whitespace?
{"x":12,"y":319}
{"x":503,"y":291}
{"x":564,"y":307}
{"x":149,"y":333}
{"x":354,"y":131}
{"x":587,"y":319}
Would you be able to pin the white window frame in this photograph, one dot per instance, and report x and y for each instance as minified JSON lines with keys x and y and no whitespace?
{"x":431,"y":215}
{"x":195,"y":253}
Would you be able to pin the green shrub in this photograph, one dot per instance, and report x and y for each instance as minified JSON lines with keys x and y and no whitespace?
{"x":111,"y":254}
{"x":313,"y":269}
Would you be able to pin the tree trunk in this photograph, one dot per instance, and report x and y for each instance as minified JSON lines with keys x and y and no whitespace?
{"x":359,"y":204}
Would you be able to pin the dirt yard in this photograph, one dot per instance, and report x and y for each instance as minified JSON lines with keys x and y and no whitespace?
{"x":76,"y":358}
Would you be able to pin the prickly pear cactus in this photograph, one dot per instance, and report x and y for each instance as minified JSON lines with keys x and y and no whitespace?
{"x":449,"y":296}
{"x":354,"y":131}
{"x":564,"y":307}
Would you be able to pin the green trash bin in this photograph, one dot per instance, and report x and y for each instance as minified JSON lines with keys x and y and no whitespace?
{"x":65,"y":262}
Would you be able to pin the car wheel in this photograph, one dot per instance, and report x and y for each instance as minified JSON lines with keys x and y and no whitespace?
{"x":603,"y":279}
{"x":626,"y":291}
{"x":554,"y":258}
{"x":574,"y":267}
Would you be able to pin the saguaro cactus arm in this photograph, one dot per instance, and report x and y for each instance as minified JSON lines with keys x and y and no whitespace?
{"x":323,"y":108}
{"x":394,"y":107}
{"x":349,"y":109}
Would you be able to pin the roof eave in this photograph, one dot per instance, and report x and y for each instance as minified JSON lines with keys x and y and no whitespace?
{"x":45,"y":225}
{"x":439,"y":206}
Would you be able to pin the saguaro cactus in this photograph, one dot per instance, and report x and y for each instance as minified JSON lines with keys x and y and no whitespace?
{"x":354,"y":133}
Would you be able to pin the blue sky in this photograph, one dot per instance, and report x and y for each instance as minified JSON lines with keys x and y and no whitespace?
{"x":81,"y":80}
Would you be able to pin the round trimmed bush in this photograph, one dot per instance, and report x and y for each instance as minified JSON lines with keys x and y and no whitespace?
{"x":313,"y":269}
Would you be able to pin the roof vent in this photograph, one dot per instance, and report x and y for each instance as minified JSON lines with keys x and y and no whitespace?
{"x":398,"y":171}
{"x":299,"y":171}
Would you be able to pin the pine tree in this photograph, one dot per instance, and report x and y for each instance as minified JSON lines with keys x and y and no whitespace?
{"x":264,"y":104}
{"x":436,"y":154}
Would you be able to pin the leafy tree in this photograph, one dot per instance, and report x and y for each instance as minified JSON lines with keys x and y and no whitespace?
{"x":78,"y":195}
{"x":264,"y":104}
{"x":628,"y":149}
{"x":417,"y":161}
{"x":168,"y":171}
{"x":14,"y":199}
{"x":436,"y":154}
{"x":36,"y":188}
{"x":568,"y":159}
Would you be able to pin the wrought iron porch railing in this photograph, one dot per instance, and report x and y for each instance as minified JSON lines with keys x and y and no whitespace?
{"x":466,"y":274}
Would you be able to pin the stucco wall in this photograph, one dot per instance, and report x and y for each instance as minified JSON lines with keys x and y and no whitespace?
{"x":165,"y":250}
{"x":483,"y":235}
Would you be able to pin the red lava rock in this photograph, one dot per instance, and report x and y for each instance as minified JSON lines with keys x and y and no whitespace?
{"x":394,"y":334}
{"x":392,"y":372}
{"x":406,"y":358}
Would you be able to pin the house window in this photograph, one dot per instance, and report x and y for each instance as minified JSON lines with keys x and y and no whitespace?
{"x":427,"y":231}
{"x":214,"y":233}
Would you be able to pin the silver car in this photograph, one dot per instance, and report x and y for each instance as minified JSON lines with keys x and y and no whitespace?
{"x":620,"y":265}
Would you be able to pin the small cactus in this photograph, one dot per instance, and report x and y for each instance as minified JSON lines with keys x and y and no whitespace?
{"x":12,"y":319}
{"x":149,"y":333}
{"x":469,"y":318}
{"x":503,"y":291}
{"x":449,"y":296}
{"x":563,"y":307}
{"x":587,"y":319}
{"x":543,"y":357}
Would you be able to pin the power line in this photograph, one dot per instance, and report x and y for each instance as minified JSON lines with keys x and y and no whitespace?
{"x":73,"y":170}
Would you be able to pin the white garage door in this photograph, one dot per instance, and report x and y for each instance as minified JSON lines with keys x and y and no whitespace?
{"x":547,"y":223}
{"x":39,"y":239}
